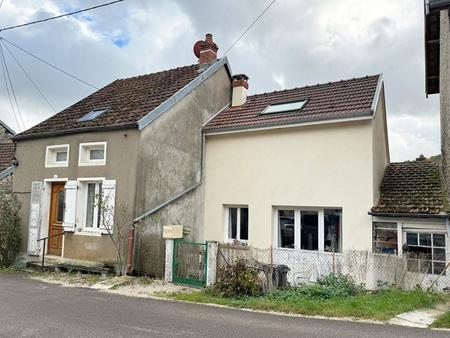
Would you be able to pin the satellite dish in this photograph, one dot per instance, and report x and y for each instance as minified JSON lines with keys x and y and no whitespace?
{"x":197,"y":47}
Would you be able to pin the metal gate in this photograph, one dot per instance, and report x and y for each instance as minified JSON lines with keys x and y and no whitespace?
{"x":189,"y":263}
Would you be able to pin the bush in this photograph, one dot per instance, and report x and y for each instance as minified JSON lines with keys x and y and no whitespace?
{"x":10,"y":235}
{"x":238,"y":280}
{"x":328,"y":287}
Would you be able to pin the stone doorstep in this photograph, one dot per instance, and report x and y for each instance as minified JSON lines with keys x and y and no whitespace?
{"x":422,"y":318}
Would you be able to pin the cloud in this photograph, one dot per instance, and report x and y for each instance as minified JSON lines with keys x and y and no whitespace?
{"x":297,"y":42}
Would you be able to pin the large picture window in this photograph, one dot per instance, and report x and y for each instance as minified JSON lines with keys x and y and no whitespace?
{"x":318,"y":229}
{"x":426,"y":252}
{"x":237,"y":223}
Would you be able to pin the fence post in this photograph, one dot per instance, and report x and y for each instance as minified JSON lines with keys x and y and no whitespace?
{"x":169,"y":261}
{"x":211,"y":263}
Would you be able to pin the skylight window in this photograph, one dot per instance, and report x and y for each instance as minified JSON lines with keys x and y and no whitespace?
{"x":93,"y":114}
{"x":284,"y":107}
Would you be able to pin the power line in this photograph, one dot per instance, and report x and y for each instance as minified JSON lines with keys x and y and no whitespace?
{"x":7,"y":87}
{"x":49,"y":64}
{"x":60,"y":16}
{"x":1,"y":3}
{"x":249,"y":27}
{"x":28,"y":76}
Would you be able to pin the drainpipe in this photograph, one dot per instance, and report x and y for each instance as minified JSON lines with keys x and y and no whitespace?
{"x":131,"y":232}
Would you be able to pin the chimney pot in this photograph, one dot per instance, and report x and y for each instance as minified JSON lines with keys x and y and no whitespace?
{"x":240,"y":86}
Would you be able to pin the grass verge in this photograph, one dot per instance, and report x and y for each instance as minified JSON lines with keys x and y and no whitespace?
{"x":443,"y":321}
{"x":381,"y":305}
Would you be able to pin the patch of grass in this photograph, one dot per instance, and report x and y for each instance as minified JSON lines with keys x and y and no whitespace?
{"x":381,"y":305}
{"x":443,"y":321}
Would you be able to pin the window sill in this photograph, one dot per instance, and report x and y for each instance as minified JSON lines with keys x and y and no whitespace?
{"x":91,"y":232}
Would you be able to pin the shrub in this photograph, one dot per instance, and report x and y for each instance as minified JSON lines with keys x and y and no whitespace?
{"x":10,"y":235}
{"x":328,"y":287}
{"x":238,"y":280}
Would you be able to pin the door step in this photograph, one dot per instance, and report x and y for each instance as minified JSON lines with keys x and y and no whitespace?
{"x":34,"y":265}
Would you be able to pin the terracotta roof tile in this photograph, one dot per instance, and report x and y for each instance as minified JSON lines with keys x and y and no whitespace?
{"x":412,"y":187}
{"x":128,"y":99}
{"x":6,"y":155}
{"x":325,"y":101}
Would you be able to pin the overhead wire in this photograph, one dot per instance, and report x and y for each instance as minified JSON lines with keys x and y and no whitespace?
{"x":60,"y":16}
{"x":250,"y":26}
{"x":28,"y":76}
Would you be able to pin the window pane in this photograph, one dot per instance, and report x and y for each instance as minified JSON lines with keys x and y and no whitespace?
{"x":60,"y":207}
{"x":385,"y":238}
{"x":90,"y":205}
{"x":439,"y":255}
{"x":332,"y":230}
{"x":232,"y":226}
{"x":439,"y":240}
{"x":438,"y":268}
{"x":411,"y":238}
{"x":244,"y":224}
{"x":98,"y":204}
{"x":97,"y":154}
{"x":61,"y":156}
{"x":425,"y":239}
{"x":309,"y":230}
{"x":286,"y":232}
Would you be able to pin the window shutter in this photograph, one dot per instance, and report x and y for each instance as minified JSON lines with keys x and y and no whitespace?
{"x":109,"y":201}
{"x":34,"y":224}
{"x":70,"y":206}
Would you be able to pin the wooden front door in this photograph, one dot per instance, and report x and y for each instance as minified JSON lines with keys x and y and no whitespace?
{"x":56,"y":219}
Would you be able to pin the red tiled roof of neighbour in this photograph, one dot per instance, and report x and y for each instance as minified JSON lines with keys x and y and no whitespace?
{"x":6,"y":155}
{"x":341,"y":99}
{"x":412,"y":187}
{"x":128,"y":101}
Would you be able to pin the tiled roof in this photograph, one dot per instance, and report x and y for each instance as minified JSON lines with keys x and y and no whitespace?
{"x":341,"y":99}
{"x":6,"y":155}
{"x":412,"y":187}
{"x":128,"y":99}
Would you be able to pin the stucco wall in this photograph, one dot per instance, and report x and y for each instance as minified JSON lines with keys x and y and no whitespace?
{"x":444,"y":89}
{"x":170,"y":155}
{"x":121,"y":157}
{"x":309,"y":166}
{"x":380,"y":146}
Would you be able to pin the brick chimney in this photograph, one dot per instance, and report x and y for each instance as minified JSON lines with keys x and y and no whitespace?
{"x":240,"y":86}
{"x":207,"y":50}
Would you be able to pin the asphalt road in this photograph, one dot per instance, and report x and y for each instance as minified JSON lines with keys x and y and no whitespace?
{"x":33,"y":309}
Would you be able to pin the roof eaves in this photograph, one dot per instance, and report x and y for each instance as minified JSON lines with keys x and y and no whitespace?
{"x":436,"y":5}
{"x":408,"y":215}
{"x":171,"y":101}
{"x":359,"y":116}
{"x":8,"y":128}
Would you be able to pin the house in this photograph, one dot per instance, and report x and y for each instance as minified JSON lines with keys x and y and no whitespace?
{"x":6,"y":157}
{"x":297,"y":168}
{"x":138,"y":142}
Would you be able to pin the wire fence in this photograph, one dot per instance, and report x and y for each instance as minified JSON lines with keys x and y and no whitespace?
{"x":292,"y":267}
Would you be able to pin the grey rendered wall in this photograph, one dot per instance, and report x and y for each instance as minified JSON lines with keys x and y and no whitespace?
{"x":444,"y":89}
{"x":121,"y":158}
{"x":170,"y":157}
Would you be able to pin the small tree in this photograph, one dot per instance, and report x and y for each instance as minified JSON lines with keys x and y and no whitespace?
{"x":115,"y":221}
{"x":10,"y":235}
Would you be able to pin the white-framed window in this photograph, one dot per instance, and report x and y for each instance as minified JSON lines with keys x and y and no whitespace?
{"x":236,"y":223}
{"x":385,"y":237}
{"x":309,"y":228}
{"x":426,"y":252}
{"x":92,"y":154}
{"x":57,"y":156}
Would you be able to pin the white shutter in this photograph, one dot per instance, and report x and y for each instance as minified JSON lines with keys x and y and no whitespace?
{"x":109,"y":201}
{"x":34,"y":224}
{"x":70,"y":205}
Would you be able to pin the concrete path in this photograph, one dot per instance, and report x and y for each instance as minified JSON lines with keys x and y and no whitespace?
{"x":35,"y":309}
{"x":422,"y":318}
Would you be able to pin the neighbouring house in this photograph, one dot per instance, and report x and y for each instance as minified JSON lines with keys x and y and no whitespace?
{"x":138,"y":141}
{"x":6,"y":157}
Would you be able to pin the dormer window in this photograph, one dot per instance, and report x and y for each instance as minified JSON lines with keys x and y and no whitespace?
{"x":57,"y":156}
{"x":93,"y":114}
{"x":284,"y":107}
{"x":92,"y":154}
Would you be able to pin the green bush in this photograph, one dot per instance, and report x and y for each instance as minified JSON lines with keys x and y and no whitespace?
{"x":237,"y":280}
{"x":10,"y":235}
{"x":328,"y":287}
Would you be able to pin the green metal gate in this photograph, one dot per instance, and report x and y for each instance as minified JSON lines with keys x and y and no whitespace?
{"x":189,"y":263}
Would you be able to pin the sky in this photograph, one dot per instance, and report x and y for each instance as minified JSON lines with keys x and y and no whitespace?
{"x":296,"y":43}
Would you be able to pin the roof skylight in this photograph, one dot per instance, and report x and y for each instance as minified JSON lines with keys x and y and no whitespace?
{"x":284,"y":107}
{"x":93,"y":114}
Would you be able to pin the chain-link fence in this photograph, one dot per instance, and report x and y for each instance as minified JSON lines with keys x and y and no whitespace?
{"x":292,"y":267}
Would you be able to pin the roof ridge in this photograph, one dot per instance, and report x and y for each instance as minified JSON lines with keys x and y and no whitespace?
{"x":315,"y":85}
